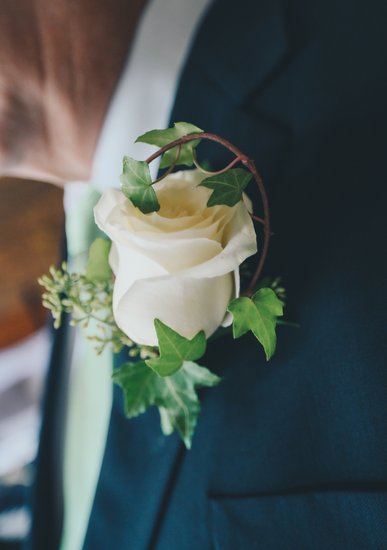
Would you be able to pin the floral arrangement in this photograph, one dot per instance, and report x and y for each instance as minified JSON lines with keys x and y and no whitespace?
{"x":168,"y":275}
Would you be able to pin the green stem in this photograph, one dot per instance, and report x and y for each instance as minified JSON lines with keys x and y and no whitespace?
{"x":95,"y":318}
{"x":170,"y":169}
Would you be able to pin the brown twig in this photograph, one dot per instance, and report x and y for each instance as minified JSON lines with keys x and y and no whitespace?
{"x":240,"y":157}
{"x":257,"y":218}
{"x":215,"y":172}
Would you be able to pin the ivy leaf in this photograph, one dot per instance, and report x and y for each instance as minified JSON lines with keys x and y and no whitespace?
{"x":136,"y":184}
{"x":175,"y":395}
{"x":180,"y":400}
{"x":140,"y":386}
{"x":175,"y":349}
{"x":228,"y":187}
{"x":98,"y":268}
{"x":165,"y":136}
{"x":258,"y":314}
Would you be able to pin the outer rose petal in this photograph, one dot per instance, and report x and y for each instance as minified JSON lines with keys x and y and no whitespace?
{"x":131,"y":267}
{"x":187,"y":305}
{"x":103,"y":211}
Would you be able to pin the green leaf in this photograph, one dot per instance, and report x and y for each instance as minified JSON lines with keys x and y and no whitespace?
{"x":136,"y":184}
{"x":228,"y":187}
{"x":98,"y":268}
{"x":163,"y":137}
{"x":175,"y":349}
{"x":140,"y":385}
{"x":175,"y":396}
{"x":180,"y":400}
{"x":258,"y":314}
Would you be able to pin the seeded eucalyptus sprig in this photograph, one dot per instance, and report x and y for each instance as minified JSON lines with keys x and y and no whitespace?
{"x":88,"y":298}
{"x":87,"y":301}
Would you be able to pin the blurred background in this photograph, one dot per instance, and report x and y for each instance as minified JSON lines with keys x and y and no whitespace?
{"x":31,"y":226}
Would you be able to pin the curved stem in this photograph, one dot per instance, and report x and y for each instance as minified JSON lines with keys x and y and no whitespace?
{"x":194,"y":137}
{"x":170,"y":169}
{"x":266,"y":227}
{"x":215,"y":172}
{"x":240,"y":157}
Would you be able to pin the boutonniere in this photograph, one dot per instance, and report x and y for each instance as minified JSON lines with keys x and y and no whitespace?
{"x":168,"y":275}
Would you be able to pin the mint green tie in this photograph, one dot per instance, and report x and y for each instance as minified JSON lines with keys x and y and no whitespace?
{"x":90,"y":396}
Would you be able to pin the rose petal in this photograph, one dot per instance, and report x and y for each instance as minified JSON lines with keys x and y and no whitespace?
{"x":241,"y":244}
{"x":132,"y":266}
{"x":186,"y":305}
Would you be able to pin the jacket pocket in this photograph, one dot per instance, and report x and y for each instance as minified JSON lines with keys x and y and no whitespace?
{"x":321,"y":520}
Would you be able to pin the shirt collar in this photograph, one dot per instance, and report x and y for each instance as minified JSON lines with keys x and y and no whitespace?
{"x":145,"y":93}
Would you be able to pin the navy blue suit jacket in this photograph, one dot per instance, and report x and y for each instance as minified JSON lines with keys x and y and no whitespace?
{"x":290,"y":455}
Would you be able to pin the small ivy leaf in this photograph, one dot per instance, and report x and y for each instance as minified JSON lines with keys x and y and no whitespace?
{"x":175,"y":396}
{"x":180,"y":402}
{"x":227,"y":187}
{"x":175,"y":349}
{"x":136,"y":184}
{"x":258,"y":314}
{"x":140,"y":387}
{"x":98,"y":268}
{"x":165,"y":136}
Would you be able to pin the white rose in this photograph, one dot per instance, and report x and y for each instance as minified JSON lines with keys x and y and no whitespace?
{"x":180,"y":264}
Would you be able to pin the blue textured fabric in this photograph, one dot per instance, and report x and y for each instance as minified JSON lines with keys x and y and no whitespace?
{"x":290,"y":455}
{"x":317,"y":520}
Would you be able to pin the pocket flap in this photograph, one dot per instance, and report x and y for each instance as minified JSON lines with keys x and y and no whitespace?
{"x":323,"y":520}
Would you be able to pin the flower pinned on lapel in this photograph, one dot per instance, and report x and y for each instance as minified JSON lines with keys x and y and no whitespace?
{"x":179,"y":264}
{"x":168,"y":277}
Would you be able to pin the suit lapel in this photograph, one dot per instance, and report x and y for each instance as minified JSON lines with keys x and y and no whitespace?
{"x":227,"y":72}
{"x":248,"y":47}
